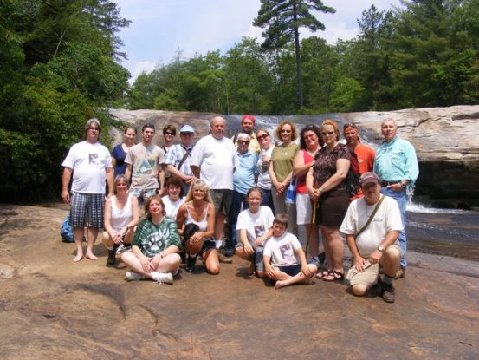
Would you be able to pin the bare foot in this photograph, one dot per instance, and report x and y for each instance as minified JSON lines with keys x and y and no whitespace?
{"x":279,"y":284}
{"x":78,"y":256}
{"x":90,"y":256}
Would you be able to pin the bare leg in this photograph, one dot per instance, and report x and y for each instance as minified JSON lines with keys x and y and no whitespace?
{"x":392,"y":257}
{"x":334,"y":246}
{"x":219,"y":225}
{"x":92,"y":234}
{"x":211,"y":262}
{"x":78,"y":236}
{"x":170,"y":263}
{"x":299,"y":278}
{"x":313,"y":240}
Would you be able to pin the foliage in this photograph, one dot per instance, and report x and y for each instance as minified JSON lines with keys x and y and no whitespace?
{"x":58,"y":69}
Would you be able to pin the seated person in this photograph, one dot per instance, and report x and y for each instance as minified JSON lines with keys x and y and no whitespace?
{"x":174,"y":196}
{"x":254,"y":227}
{"x":284,"y":259}
{"x":121,"y":217}
{"x":199,"y":209}
{"x":154,"y":252}
{"x":373,"y":245}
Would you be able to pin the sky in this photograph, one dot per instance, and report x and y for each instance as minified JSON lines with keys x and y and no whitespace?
{"x":162,"y":29}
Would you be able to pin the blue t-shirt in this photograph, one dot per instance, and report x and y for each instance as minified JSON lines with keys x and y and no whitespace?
{"x":119,"y":155}
{"x":244,"y":171}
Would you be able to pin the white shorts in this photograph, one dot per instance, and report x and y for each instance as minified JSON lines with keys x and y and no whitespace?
{"x":303,"y":209}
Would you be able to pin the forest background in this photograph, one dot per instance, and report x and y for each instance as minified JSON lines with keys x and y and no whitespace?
{"x":60,"y":65}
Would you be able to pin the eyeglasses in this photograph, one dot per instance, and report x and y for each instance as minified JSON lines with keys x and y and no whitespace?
{"x":327,"y":133}
{"x":287,"y":131}
{"x":262,"y":137}
{"x":168,"y":133}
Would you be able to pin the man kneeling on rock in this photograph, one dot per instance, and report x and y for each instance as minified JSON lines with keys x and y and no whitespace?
{"x":372,"y":225}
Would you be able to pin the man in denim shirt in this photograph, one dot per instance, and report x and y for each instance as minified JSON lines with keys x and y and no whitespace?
{"x":397,"y":167}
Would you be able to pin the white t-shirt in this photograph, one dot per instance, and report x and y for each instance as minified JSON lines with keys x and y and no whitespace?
{"x":215,"y":159}
{"x":89,"y":163}
{"x":171,"y":207}
{"x":282,"y":249}
{"x":255,"y":224}
{"x":264,"y":181}
{"x":387,"y":218}
{"x":146,"y":162}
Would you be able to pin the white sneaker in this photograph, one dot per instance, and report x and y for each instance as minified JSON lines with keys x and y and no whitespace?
{"x":162,"y":278}
{"x":130,"y":275}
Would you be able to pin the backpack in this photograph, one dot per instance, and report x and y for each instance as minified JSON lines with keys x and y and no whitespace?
{"x":66,"y":230}
{"x":352,"y":178}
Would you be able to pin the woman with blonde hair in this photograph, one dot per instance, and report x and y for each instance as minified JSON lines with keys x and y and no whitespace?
{"x":326,"y":186}
{"x":198,"y":209}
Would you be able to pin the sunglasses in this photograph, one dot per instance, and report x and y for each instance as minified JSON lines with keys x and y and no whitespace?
{"x":261,"y":137}
{"x":243,"y":142}
{"x":328,"y":133}
{"x":287,"y":131}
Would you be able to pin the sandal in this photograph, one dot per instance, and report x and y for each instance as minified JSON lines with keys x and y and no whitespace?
{"x":322,"y":274}
{"x":334,"y":276}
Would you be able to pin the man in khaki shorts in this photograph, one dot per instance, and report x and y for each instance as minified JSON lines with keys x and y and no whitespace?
{"x":372,"y":225}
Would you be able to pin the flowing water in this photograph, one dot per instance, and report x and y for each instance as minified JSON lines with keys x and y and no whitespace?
{"x":437,"y":231}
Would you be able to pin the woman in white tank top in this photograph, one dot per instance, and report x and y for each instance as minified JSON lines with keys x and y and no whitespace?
{"x":121,"y":217}
{"x":198,"y":209}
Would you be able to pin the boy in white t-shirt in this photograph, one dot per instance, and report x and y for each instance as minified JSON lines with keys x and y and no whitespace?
{"x":281,"y":254}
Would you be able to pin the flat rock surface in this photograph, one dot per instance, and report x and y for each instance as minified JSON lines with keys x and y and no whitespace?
{"x":52,"y":308}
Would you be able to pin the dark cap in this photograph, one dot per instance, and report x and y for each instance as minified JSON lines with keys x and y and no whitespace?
{"x":368,"y":178}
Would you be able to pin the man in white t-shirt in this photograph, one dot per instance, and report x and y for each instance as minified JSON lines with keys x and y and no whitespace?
{"x":91,"y":166}
{"x":284,"y":259}
{"x":143,"y":166}
{"x":212,"y":161}
{"x":373,"y":245}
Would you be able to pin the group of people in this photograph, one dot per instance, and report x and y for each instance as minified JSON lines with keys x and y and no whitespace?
{"x":234,"y":187}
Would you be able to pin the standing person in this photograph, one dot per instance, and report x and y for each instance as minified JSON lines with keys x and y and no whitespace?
{"x":155,"y":247}
{"x":365,"y":154}
{"x":143,"y":168}
{"x":212,"y":161}
{"x":326,"y":186}
{"x":281,"y":170}
{"x":169,"y":133}
{"x":372,"y":225}
{"x":243,"y":179}
{"x":284,"y":259}
{"x":121,"y":217}
{"x":255,"y":228}
{"x":177,"y":161}
{"x":303,"y":161}
{"x":247,"y":127}
{"x":264,"y":181}
{"x":118,"y":153}
{"x":199,"y":210}
{"x":92,"y":169}
{"x":397,"y":167}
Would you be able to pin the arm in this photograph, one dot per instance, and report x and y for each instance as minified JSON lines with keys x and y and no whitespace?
{"x":244,"y":240}
{"x":196,"y":171}
{"x":161,"y":180}
{"x":389,"y":239}
{"x":109,"y":180}
{"x":66,"y":176}
{"x":313,"y":192}
{"x":180,"y":218}
{"x":358,"y":261}
{"x":342,"y":167}
{"x":300,"y":168}
{"x":174,"y":171}
{"x":116,"y":237}
{"x":304,"y":264}
{"x":128,"y":172}
{"x":265,"y":237}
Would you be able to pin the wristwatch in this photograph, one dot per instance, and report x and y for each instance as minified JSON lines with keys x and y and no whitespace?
{"x":381,"y":248}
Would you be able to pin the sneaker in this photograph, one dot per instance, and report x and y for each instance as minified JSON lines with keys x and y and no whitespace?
{"x":130,"y":276}
{"x":111,"y":260}
{"x":190,"y":263}
{"x":228,"y":251}
{"x":387,"y":292}
{"x":401,"y":273}
{"x":162,"y":278}
{"x":224,"y":259}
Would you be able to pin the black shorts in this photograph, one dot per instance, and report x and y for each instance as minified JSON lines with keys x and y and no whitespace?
{"x":291,"y":270}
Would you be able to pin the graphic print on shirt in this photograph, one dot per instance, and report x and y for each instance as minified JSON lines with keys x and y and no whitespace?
{"x":93,"y":159}
{"x":287,"y":253}
{"x":259,"y":230}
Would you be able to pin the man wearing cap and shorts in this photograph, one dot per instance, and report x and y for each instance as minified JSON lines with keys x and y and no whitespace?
{"x":372,"y":225}
{"x":212,"y":161}
{"x":91,"y":165}
{"x":178,"y":159}
{"x":143,"y":166}
{"x":397,"y":167}
{"x":247,"y":127}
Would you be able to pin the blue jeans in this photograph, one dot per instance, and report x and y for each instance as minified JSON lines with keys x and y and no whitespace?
{"x":267,"y":199}
{"x":236,"y":202}
{"x":401,"y":198}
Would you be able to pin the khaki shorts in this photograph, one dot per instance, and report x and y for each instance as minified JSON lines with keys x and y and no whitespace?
{"x":370,"y":275}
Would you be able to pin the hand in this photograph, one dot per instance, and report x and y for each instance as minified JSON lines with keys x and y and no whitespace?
{"x":305,"y":270}
{"x":196,"y":237}
{"x":376,"y":257}
{"x":396,"y":187}
{"x":116,"y":238}
{"x":314,"y":194}
{"x":65,"y":196}
{"x":259,"y":241}
{"x":145,"y":264}
{"x":189,"y":179}
{"x":359,"y":263}
{"x":248,"y":249}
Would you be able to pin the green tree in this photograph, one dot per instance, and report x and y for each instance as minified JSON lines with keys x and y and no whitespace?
{"x":282,"y":20}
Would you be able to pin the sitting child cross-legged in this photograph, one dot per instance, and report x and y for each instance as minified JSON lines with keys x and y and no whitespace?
{"x":284,"y":259}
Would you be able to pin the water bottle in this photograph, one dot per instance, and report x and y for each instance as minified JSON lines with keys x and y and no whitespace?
{"x":291,"y":193}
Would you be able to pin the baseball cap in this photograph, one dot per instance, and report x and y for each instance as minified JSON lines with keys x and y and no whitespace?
{"x":249,"y":117}
{"x":368,"y":178}
{"x":186,"y":129}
